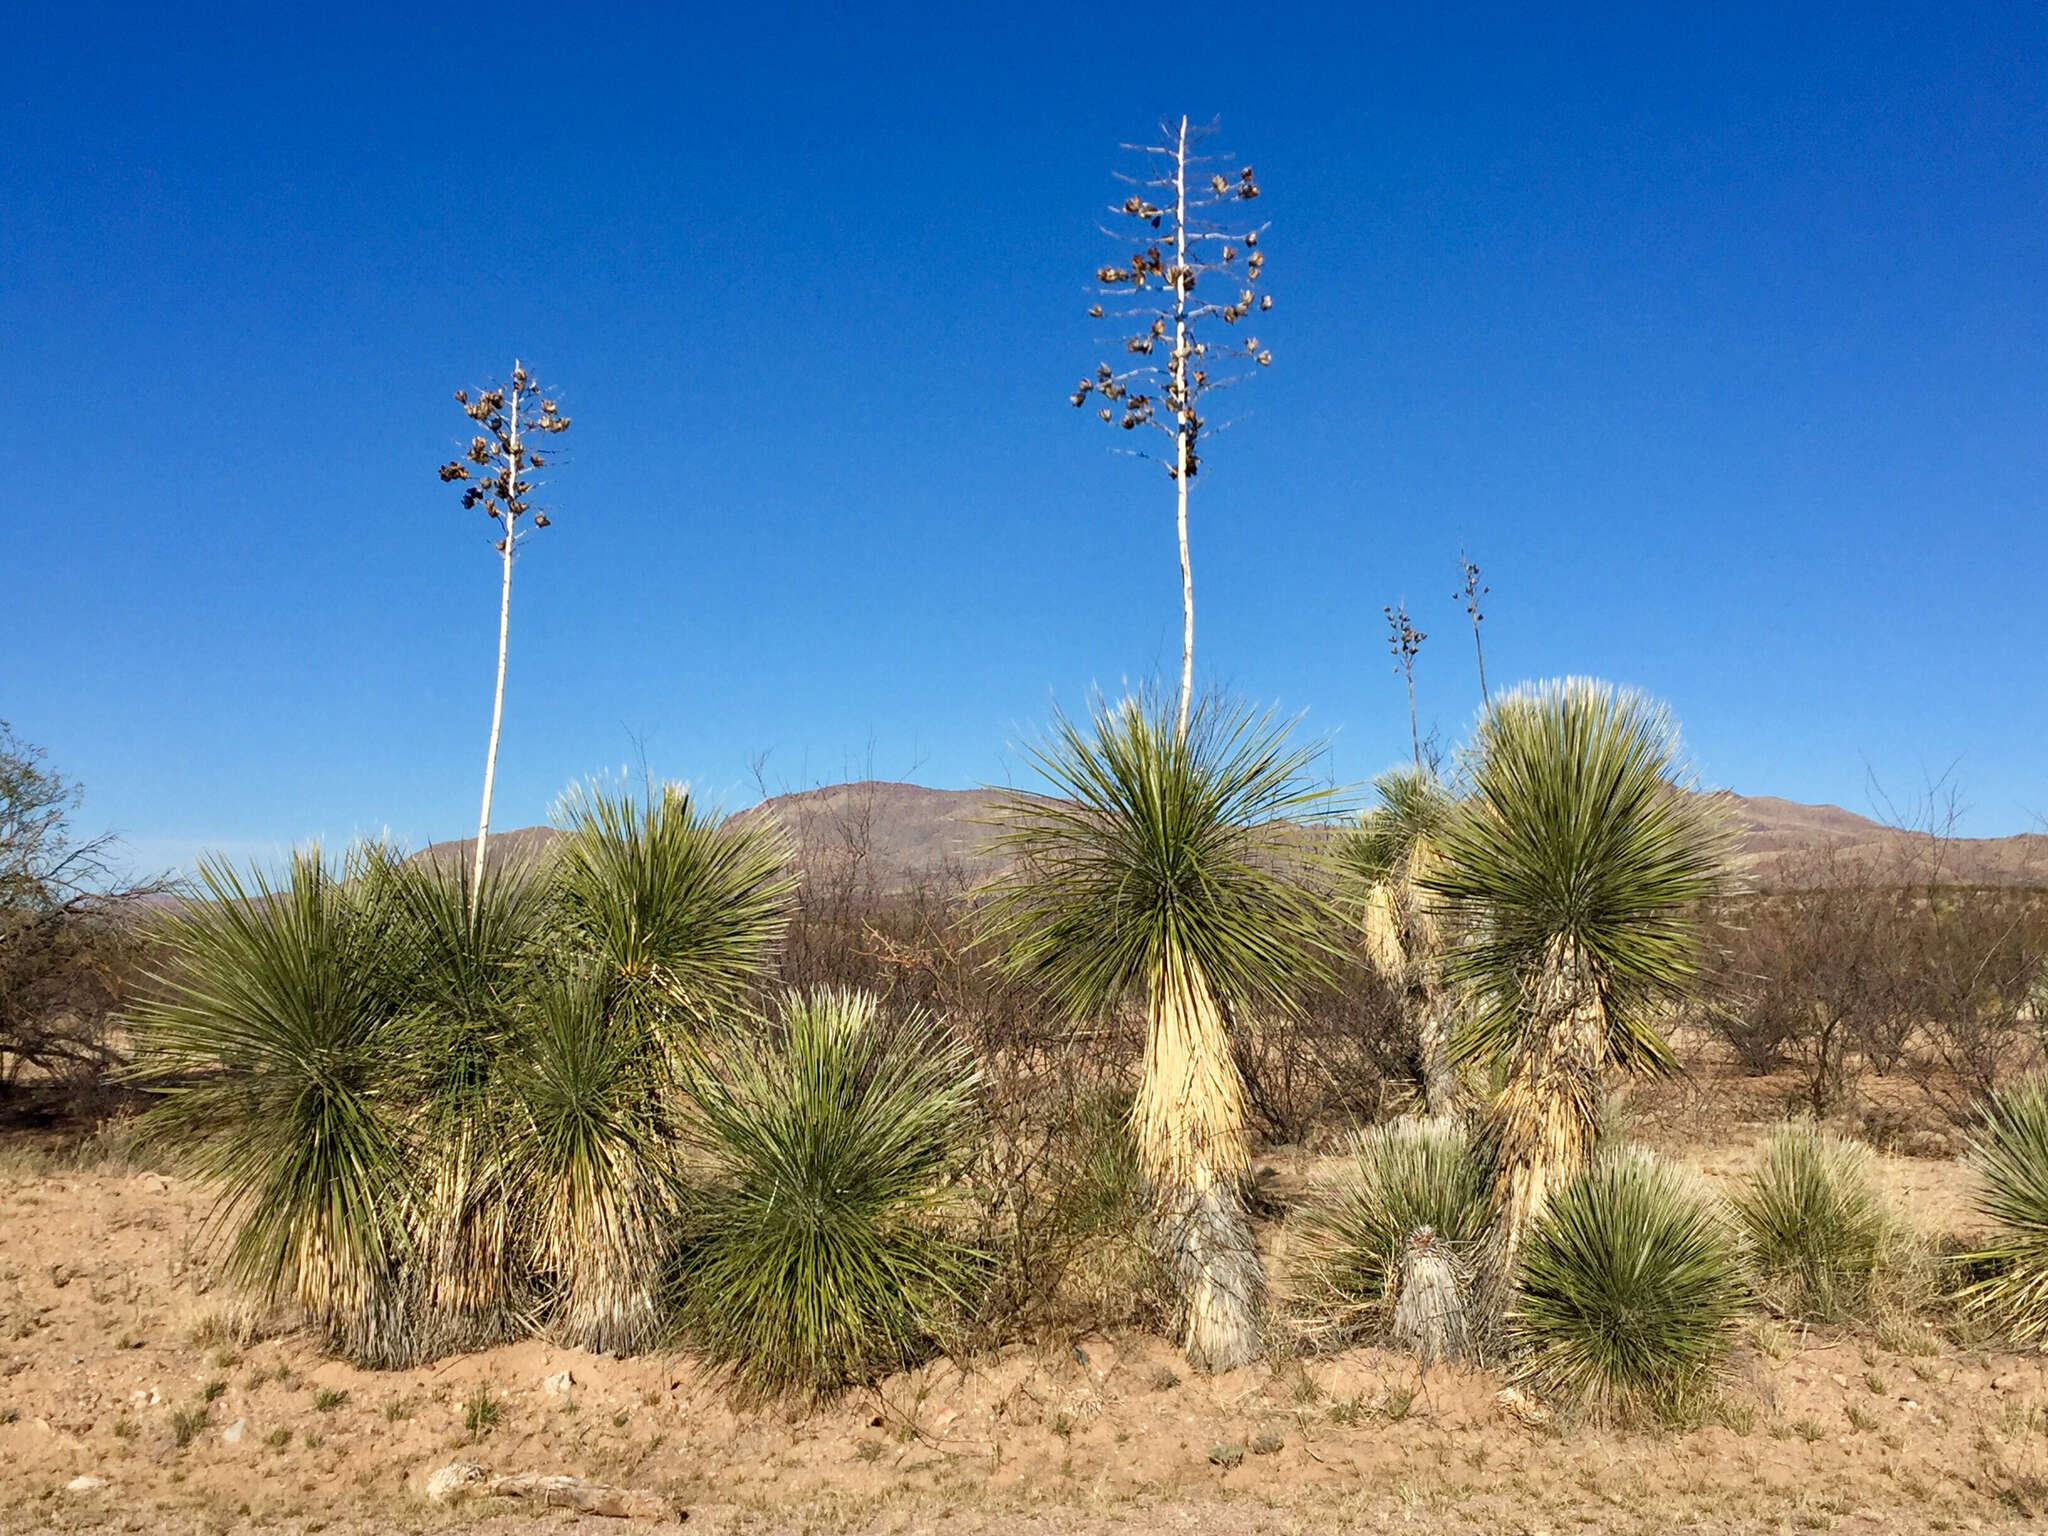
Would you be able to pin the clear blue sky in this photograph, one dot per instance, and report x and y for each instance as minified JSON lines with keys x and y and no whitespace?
{"x":1721,"y":341}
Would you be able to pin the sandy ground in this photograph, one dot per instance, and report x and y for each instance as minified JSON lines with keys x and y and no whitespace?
{"x":112,"y":1341}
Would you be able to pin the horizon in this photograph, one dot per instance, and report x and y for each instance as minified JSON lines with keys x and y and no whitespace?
{"x":1717,"y":342}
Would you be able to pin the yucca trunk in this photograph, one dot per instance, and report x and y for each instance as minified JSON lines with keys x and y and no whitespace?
{"x":604,"y":1246}
{"x":1432,"y":1011}
{"x":1543,"y":1120}
{"x":1402,"y":940}
{"x":1189,"y":1122}
{"x":352,"y":1290}
{"x":468,"y":1245}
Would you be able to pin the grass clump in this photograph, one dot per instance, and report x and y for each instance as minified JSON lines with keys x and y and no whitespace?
{"x":481,"y":1411}
{"x":1628,"y":1287}
{"x":820,"y":1253}
{"x":2010,"y":1155}
{"x":1816,"y":1229}
{"x":1405,"y":1175}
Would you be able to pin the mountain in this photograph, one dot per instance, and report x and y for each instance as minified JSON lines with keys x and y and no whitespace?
{"x":894,"y":835}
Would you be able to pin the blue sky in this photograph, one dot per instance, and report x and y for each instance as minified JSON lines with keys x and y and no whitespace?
{"x":1719,"y":340}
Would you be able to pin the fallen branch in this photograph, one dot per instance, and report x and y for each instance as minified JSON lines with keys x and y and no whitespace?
{"x":464,"y":1479}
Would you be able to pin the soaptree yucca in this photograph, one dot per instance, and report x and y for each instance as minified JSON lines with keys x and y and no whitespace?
{"x":591,"y":1168}
{"x":1156,"y":872}
{"x":1629,"y":1283}
{"x":459,"y":952}
{"x":1407,"y":1177}
{"x":1385,"y":857}
{"x":664,"y":919}
{"x":1573,"y":870}
{"x":1816,"y":1227}
{"x":820,"y":1249}
{"x":269,"y":1041}
{"x":2009,"y":1152}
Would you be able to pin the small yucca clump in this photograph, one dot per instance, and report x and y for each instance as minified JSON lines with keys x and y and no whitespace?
{"x":820,"y":1254}
{"x":1628,"y":1284}
{"x":1406,"y":1176}
{"x":1817,"y":1231}
{"x":2010,"y":1154}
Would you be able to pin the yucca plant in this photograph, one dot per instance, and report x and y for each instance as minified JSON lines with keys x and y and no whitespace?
{"x":1157,"y":873}
{"x":1573,"y":871}
{"x":461,"y":956}
{"x":1629,"y":1283}
{"x":2009,"y":1152}
{"x":820,"y":1251}
{"x":1402,"y":1178}
{"x":663,"y":920}
{"x":1816,"y":1229}
{"x":1385,"y":857}
{"x":592,"y":1168}
{"x":677,"y":909}
{"x":269,"y":1043}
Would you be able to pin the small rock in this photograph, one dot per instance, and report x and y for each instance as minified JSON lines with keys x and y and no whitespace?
{"x":85,"y":1482}
{"x":233,"y":1434}
{"x":558,"y":1385}
{"x":1267,"y":1443}
{"x":454,"y":1481}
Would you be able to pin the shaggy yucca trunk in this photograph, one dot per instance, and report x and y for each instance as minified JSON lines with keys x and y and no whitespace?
{"x":1543,"y":1121}
{"x":1189,"y":1123}
{"x":1429,"y":1305}
{"x":467,"y":1245}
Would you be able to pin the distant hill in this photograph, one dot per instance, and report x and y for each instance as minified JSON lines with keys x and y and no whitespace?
{"x":896,"y":834}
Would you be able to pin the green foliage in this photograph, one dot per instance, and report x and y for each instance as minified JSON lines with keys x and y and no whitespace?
{"x":1159,"y":847}
{"x":1575,"y":839}
{"x":1404,"y":1175}
{"x":1629,"y":1283}
{"x":2010,"y":1154}
{"x":820,"y":1253}
{"x":1816,"y":1229}
{"x":271,"y":1044}
{"x":676,"y":911}
{"x":1410,"y":810}
{"x":592,"y":1166}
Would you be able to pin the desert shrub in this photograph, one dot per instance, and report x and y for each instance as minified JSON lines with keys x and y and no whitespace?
{"x":820,"y":1252}
{"x":1817,"y":1230}
{"x":1403,"y":1176}
{"x":2010,"y":1154}
{"x":1339,"y":1060}
{"x":1628,"y":1285}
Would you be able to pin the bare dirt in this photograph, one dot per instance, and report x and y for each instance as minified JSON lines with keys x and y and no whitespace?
{"x":114,"y":1347}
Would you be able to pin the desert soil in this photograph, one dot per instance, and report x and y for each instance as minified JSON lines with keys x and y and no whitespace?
{"x":112,"y":1336}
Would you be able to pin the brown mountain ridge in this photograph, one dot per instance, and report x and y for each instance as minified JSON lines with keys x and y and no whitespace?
{"x":892,"y":835}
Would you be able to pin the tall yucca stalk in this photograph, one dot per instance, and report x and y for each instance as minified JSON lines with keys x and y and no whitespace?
{"x":270,"y":1043}
{"x":1574,"y":869}
{"x":1386,"y":856}
{"x":666,"y":919}
{"x":1156,"y":873}
{"x":463,"y":952}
